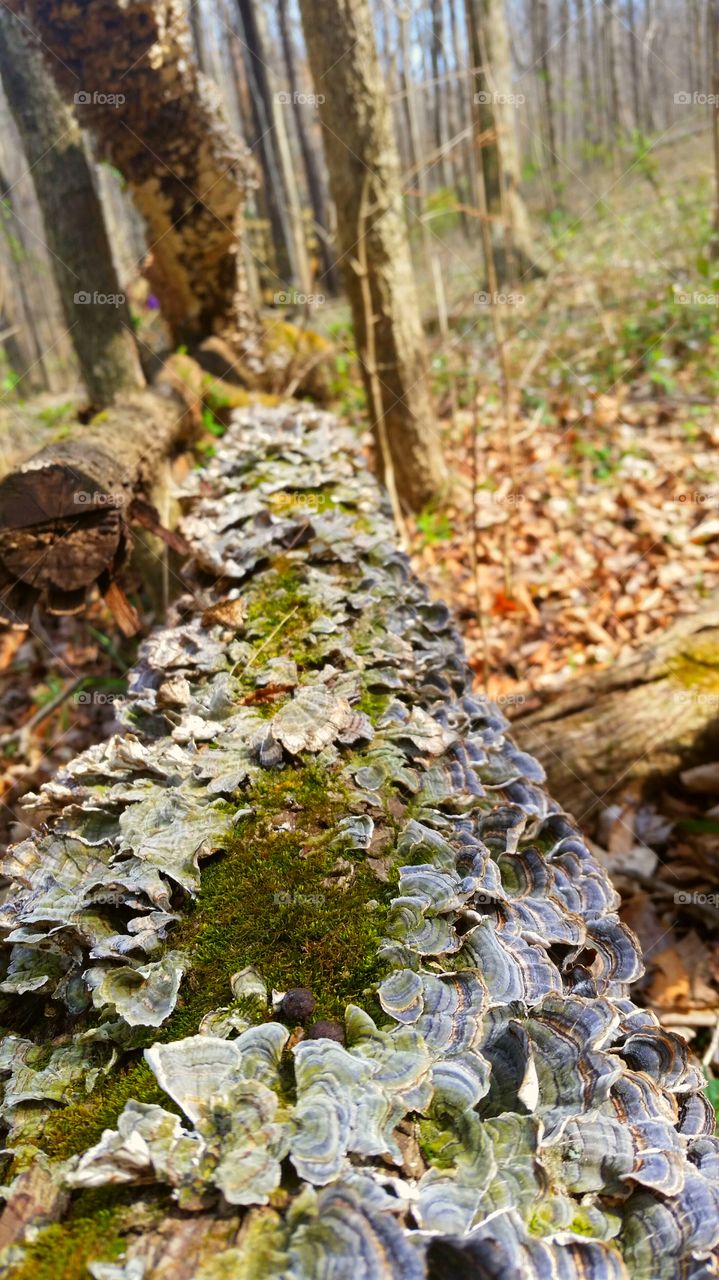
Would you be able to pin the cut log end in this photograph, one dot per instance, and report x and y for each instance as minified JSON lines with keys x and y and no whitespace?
{"x":64,"y":513}
{"x":58,"y":529}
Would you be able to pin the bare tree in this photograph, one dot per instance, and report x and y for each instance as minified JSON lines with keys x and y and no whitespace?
{"x":440,"y":92}
{"x":540,"y":53}
{"x":364,"y":177}
{"x":616,"y":106}
{"x":269,"y":140}
{"x":713,"y":19}
{"x":130,"y":69}
{"x":315,"y":187}
{"x":33,"y":335}
{"x":96,"y":311}
{"x":634,"y":64}
{"x":588,"y":104}
{"x":496,"y":114}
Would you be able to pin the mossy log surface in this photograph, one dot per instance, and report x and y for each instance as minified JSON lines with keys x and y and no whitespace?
{"x":645,"y":719}
{"x":304,"y":975}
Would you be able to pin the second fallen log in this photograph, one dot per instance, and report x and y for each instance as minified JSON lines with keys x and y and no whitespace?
{"x":636,"y":722}
{"x":64,"y":512}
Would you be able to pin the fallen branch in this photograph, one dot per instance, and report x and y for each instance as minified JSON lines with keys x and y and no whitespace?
{"x":644,"y":719}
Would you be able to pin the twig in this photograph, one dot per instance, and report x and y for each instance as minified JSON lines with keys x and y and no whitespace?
{"x":23,"y":734}
{"x":713,"y":1045}
{"x":266,"y":641}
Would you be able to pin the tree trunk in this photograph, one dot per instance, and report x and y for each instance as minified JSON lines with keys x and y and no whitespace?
{"x":96,"y":310}
{"x":634,"y":65}
{"x":130,"y":69}
{"x":496,"y":115}
{"x":269,"y":127}
{"x":713,"y":19}
{"x":640,"y":721}
{"x":465,"y":168}
{"x":564,"y":28}
{"x":588,"y":107}
{"x":441,"y":91}
{"x":616,"y":105}
{"x":364,"y":178}
{"x":453,"y":1081}
{"x":541,"y":51}
{"x":315,"y":186}
{"x":28,"y":291}
{"x":416,"y":167}
{"x":64,"y":512}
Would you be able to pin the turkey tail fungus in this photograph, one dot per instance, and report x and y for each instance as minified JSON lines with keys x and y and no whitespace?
{"x":477,"y":1093}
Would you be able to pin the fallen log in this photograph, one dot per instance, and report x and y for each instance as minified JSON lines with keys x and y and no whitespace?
{"x":64,"y":512}
{"x":304,"y":973}
{"x":641,"y":721}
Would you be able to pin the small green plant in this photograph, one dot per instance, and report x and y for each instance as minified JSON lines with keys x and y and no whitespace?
{"x":56,"y":415}
{"x":212,"y":423}
{"x":601,"y":457}
{"x":434,"y":526}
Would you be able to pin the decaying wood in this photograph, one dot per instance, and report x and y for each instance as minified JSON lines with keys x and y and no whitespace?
{"x":487,"y":1101}
{"x":645,"y":719}
{"x":131,"y":71}
{"x":64,"y":511}
{"x":37,"y":1200}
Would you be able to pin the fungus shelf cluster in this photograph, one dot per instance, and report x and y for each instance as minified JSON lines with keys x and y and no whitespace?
{"x":493,"y":1104}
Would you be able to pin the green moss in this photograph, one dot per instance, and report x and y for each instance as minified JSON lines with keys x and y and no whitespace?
{"x":280,"y":615}
{"x":374,"y":704}
{"x":271,"y":901}
{"x":58,"y":415}
{"x":439,"y":1146}
{"x":697,"y":667}
{"x":94,"y":1229}
{"x":80,"y":1125}
{"x":304,"y":500}
{"x":61,"y":1252}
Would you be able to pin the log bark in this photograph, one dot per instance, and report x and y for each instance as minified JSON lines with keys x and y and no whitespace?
{"x":131,"y":71}
{"x":64,"y":511}
{"x":640,"y":721}
{"x":455,"y":1081}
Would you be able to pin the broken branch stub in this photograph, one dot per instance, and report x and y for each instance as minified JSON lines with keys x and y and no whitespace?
{"x":64,"y":511}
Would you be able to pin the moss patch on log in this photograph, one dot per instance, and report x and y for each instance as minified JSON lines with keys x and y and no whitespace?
{"x":62,"y":1251}
{"x":79,"y":1125}
{"x":280,"y":614}
{"x":303,"y":928}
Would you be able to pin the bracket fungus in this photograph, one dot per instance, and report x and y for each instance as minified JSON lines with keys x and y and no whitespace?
{"x":492,"y":1104}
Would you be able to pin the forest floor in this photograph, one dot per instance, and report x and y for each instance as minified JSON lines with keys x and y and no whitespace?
{"x":596,"y":520}
{"x":594,"y":523}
